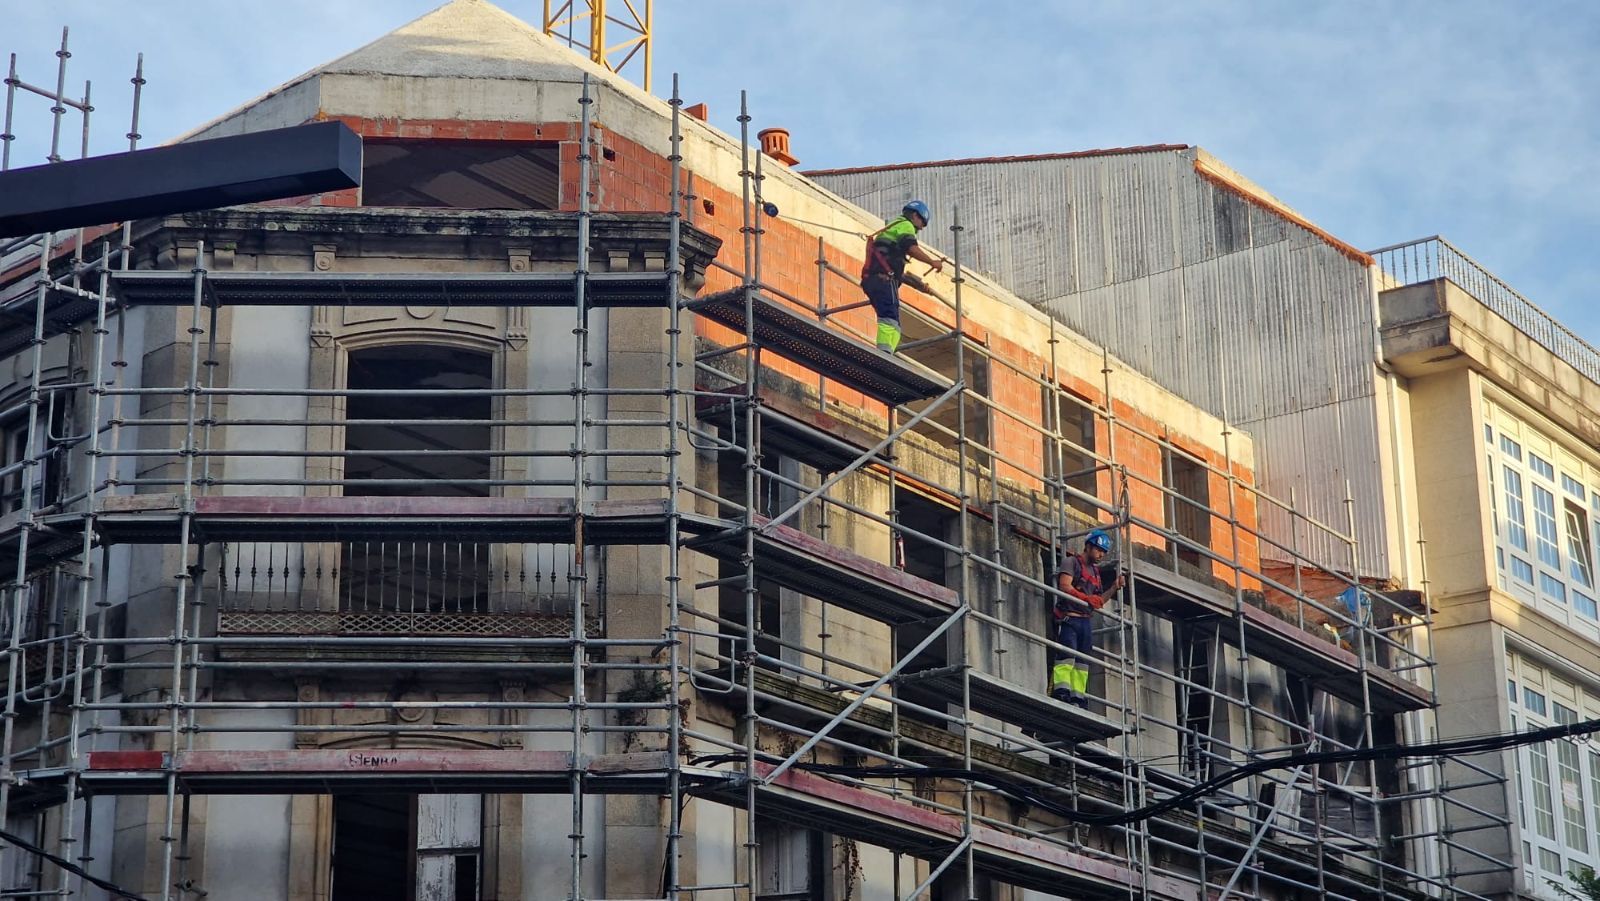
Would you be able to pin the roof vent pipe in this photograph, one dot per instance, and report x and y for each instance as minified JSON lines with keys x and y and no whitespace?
{"x":775,"y":143}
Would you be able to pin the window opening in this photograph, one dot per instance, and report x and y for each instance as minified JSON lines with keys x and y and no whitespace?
{"x":1188,"y":506}
{"x":371,"y":847}
{"x":386,"y":461}
{"x":1077,"y":452}
{"x":462,"y":175}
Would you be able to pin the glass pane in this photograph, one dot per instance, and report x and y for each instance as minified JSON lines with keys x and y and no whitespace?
{"x":1511,"y":448}
{"x":1541,"y":467}
{"x":1570,"y":771}
{"x":1544,"y":518}
{"x":1585,"y":606}
{"x":1544,"y":815}
{"x":1516,"y":514}
{"x":1594,"y":784}
{"x":1580,"y":563}
{"x":1494,"y":503}
{"x":1533,"y":701}
{"x":1522,"y":569}
{"x":1522,"y":791}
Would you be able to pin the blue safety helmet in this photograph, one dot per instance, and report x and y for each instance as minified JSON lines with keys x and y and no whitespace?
{"x":920,"y":208}
{"x":1098,"y":538}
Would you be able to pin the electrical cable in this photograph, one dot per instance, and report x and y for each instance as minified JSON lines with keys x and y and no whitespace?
{"x":771,"y":211}
{"x":117,"y":891}
{"x":1452,"y":748}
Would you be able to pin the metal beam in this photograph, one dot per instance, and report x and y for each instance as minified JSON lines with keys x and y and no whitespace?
{"x":1261,"y":833}
{"x":870,"y":455}
{"x":862,"y":698}
{"x":197,"y":175}
{"x":938,"y":871}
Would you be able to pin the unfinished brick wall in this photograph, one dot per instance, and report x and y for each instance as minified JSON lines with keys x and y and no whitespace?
{"x":628,"y":177}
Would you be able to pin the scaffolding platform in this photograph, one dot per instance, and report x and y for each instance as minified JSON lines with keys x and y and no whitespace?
{"x":386,"y":289}
{"x":1328,"y":666}
{"x":1038,"y":714}
{"x":833,"y":574}
{"x":842,"y":358}
{"x":876,"y":818}
{"x":55,"y":540}
{"x":823,"y":441}
{"x":62,"y":313}
{"x":350,"y":770}
{"x":157,"y":519}
{"x":923,"y":740}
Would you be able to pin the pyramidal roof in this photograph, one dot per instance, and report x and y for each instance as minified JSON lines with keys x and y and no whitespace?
{"x":463,"y":39}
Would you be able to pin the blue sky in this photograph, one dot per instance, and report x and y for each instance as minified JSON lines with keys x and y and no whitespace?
{"x":1379,"y":121}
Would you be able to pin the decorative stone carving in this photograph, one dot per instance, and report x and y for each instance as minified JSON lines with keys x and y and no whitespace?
{"x":322,"y":257}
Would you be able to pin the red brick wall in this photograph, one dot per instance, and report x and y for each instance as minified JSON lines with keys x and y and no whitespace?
{"x":631,"y":178}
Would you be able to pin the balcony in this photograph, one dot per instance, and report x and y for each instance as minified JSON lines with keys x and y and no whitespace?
{"x":396,"y":589}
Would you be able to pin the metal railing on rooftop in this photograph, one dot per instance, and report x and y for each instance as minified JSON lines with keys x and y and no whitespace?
{"x":1426,"y":259}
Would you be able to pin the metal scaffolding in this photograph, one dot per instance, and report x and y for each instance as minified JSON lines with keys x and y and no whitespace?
{"x":1209,"y":658}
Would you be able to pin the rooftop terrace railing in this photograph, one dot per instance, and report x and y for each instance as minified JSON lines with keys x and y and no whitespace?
{"x":1426,"y":259}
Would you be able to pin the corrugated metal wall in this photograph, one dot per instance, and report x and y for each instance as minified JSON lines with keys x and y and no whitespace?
{"x":1232,"y":306}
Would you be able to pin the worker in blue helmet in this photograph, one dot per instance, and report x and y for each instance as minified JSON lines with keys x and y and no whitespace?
{"x":885,"y":268}
{"x":1083,"y":581}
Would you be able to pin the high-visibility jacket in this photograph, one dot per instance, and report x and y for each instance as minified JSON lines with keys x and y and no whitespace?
{"x":888,"y":248}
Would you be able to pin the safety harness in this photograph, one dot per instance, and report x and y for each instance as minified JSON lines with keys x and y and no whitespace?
{"x":877,"y":261}
{"x":1086,"y":587}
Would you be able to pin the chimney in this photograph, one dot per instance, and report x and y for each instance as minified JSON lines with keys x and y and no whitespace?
{"x":699,"y":111}
{"x":775,"y":143}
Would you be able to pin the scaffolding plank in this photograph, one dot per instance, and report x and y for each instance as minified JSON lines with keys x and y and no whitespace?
{"x":385,"y":289}
{"x":156,"y":519}
{"x":1286,"y":645}
{"x":844,"y":359}
{"x":325,"y":771}
{"x":833,"y":574}
{"x":876,"y":818}
{"x":1334,"y":669}
{"x":921,"y":740}
{"x":817,"y":438}
{"x":1037,"y":713}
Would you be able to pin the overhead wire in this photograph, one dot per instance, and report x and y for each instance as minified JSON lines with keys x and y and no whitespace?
{"x":1448,"y":749}
{"x":116,"y":891}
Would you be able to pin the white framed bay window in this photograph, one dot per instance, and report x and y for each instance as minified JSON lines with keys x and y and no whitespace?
{"x":1557,"y":783}
{"x":1545,"y":509}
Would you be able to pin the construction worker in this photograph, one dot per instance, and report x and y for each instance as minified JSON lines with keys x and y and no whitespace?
{"x":885,"y":268}
{"x":1081,"y":580}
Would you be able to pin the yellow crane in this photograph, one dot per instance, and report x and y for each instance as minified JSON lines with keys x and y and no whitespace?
{"x":583,"y":25}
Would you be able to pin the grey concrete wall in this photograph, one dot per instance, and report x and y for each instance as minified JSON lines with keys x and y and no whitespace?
{"x":245,"y":852}
{"x":268,"y":347}
{"x":1471,"y":691}
{"x":544,"y":846}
